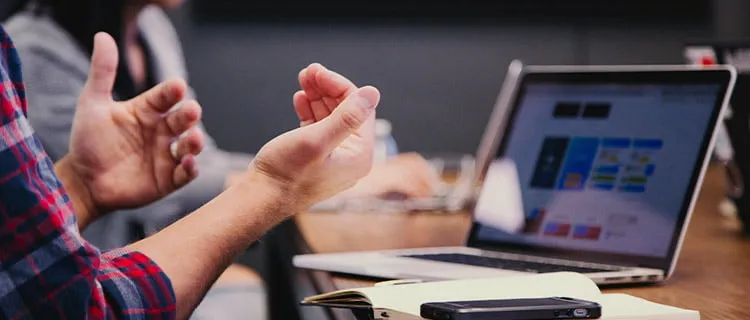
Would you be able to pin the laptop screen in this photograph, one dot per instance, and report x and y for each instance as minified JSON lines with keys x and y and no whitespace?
{"x":598,"y":167}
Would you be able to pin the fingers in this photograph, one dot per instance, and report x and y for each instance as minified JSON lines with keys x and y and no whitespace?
{"x":410,"y":190}
{"x":324,"y":88}
{"x":334,"y":85}
{"x":420,"y":166}
{"x":350,"y":115}
{"x":315,"y":94}
{"x":185,"y":172}
{"x":159,"y":99}
{"x":103,"y":70}
{"x":419,"y":183}
{"x":322,"y":82}
{"x":189,"y":144}
{"x":307,"y":79}
{"x":184,"y":117}
{"x":303,"y":108}
{"x":408,"y":174}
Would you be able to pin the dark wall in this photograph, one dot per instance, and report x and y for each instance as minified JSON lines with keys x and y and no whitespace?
{"x":439,"y":82}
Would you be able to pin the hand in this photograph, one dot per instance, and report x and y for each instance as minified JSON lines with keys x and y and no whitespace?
{"x":333,"y":148}
{"x":408,"y":175}
{"x":120,"y":151}
{"x":322,"y":91}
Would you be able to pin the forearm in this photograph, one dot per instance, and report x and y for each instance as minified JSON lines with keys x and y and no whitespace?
{"x":80,"y":196}
{"x":195,"y":250}
{"x":238,"y":163}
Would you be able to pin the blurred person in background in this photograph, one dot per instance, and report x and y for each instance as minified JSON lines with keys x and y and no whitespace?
{"x":55,"y":41}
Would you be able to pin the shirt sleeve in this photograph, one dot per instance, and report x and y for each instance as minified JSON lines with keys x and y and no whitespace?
{"x":47,"y":271}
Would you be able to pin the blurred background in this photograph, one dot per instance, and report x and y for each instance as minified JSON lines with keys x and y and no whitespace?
{"x":243,"y":56}
{"x":439,"y":66}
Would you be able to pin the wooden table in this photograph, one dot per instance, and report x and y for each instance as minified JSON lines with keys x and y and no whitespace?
{"x":712,"y":276}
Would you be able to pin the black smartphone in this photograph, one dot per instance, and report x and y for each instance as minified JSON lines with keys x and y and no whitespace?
{"x":512,"y":309}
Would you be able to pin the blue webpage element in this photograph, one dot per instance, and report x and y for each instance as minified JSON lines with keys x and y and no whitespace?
{"x":649,"y":170}
{"x":608,"y":169}
{"x":647,"y":144}
{"x":633,"y":188}
{"x":578,"y":161}
{"x":604,"y":186}
{"x":615,"y":143}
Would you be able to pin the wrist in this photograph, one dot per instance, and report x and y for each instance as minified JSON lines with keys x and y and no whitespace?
{"x":272,"y":192}
{"x":80,"y":195}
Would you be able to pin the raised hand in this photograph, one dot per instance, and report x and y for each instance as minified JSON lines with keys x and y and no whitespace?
{"x":333,"y":148}
{"x":409,"y":175}
{"x":322,"y":91}
{"x":120,"y":151}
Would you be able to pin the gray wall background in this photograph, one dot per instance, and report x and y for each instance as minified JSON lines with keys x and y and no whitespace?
{"x":438,"y":82}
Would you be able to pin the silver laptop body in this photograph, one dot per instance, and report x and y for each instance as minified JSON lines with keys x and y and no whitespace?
{"x":591,"y":169}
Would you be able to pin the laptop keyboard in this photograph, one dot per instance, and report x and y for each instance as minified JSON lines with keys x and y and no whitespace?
{"x":500,"y":263}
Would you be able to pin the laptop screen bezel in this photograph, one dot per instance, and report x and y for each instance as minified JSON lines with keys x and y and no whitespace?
{"x":651,"y":75}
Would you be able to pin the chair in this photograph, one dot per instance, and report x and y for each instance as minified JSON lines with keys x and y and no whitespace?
{"x":287,"y":285}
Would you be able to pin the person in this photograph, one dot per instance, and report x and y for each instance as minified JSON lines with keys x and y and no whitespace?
{"x":122,"y":156}
{"x":54,"y":38}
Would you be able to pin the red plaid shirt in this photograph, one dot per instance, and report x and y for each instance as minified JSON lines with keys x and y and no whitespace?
{"x":47,"y":271}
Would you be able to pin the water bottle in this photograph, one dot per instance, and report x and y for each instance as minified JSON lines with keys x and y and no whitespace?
{"x":723,"y":147}
{"x":385,"y":144}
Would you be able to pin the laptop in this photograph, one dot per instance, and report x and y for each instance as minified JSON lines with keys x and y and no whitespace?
{"x":588,"y":169}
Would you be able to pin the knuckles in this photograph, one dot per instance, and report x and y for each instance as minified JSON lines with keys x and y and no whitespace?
{"x":350,"y":119}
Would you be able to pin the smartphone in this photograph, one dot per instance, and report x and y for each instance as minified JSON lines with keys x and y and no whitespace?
{"x":512,"y":309}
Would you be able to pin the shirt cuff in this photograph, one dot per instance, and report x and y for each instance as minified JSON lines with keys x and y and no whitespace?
{"x":133,"y":284}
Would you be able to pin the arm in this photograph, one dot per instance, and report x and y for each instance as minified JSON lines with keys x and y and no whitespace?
{"x":195,"y":250}
{"x":330,"y":155}
{"x":48,"y":267}
{"x":129,"y":141}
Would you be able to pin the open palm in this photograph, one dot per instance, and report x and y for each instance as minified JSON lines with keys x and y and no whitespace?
{"x":121,"y":150}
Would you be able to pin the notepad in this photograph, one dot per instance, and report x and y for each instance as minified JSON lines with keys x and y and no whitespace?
{"x":402,"y":301}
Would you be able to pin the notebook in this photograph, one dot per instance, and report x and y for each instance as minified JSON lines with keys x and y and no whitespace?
{"x":391,"y":300}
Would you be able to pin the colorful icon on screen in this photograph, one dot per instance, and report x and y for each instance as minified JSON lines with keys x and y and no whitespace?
{"x":556,"y":229}
{"x":585,"y":232}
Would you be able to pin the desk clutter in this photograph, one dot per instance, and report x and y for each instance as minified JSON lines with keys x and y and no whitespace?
{"x":397,"y":300}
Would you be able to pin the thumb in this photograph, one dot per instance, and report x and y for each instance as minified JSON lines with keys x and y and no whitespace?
{"x":103,"y":67}
{"x":349,"y":115}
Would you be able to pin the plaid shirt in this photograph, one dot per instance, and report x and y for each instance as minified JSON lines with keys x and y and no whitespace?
{"x":47,"y":271}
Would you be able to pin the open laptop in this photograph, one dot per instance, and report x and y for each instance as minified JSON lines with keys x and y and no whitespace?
{"x":591,"y":169}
